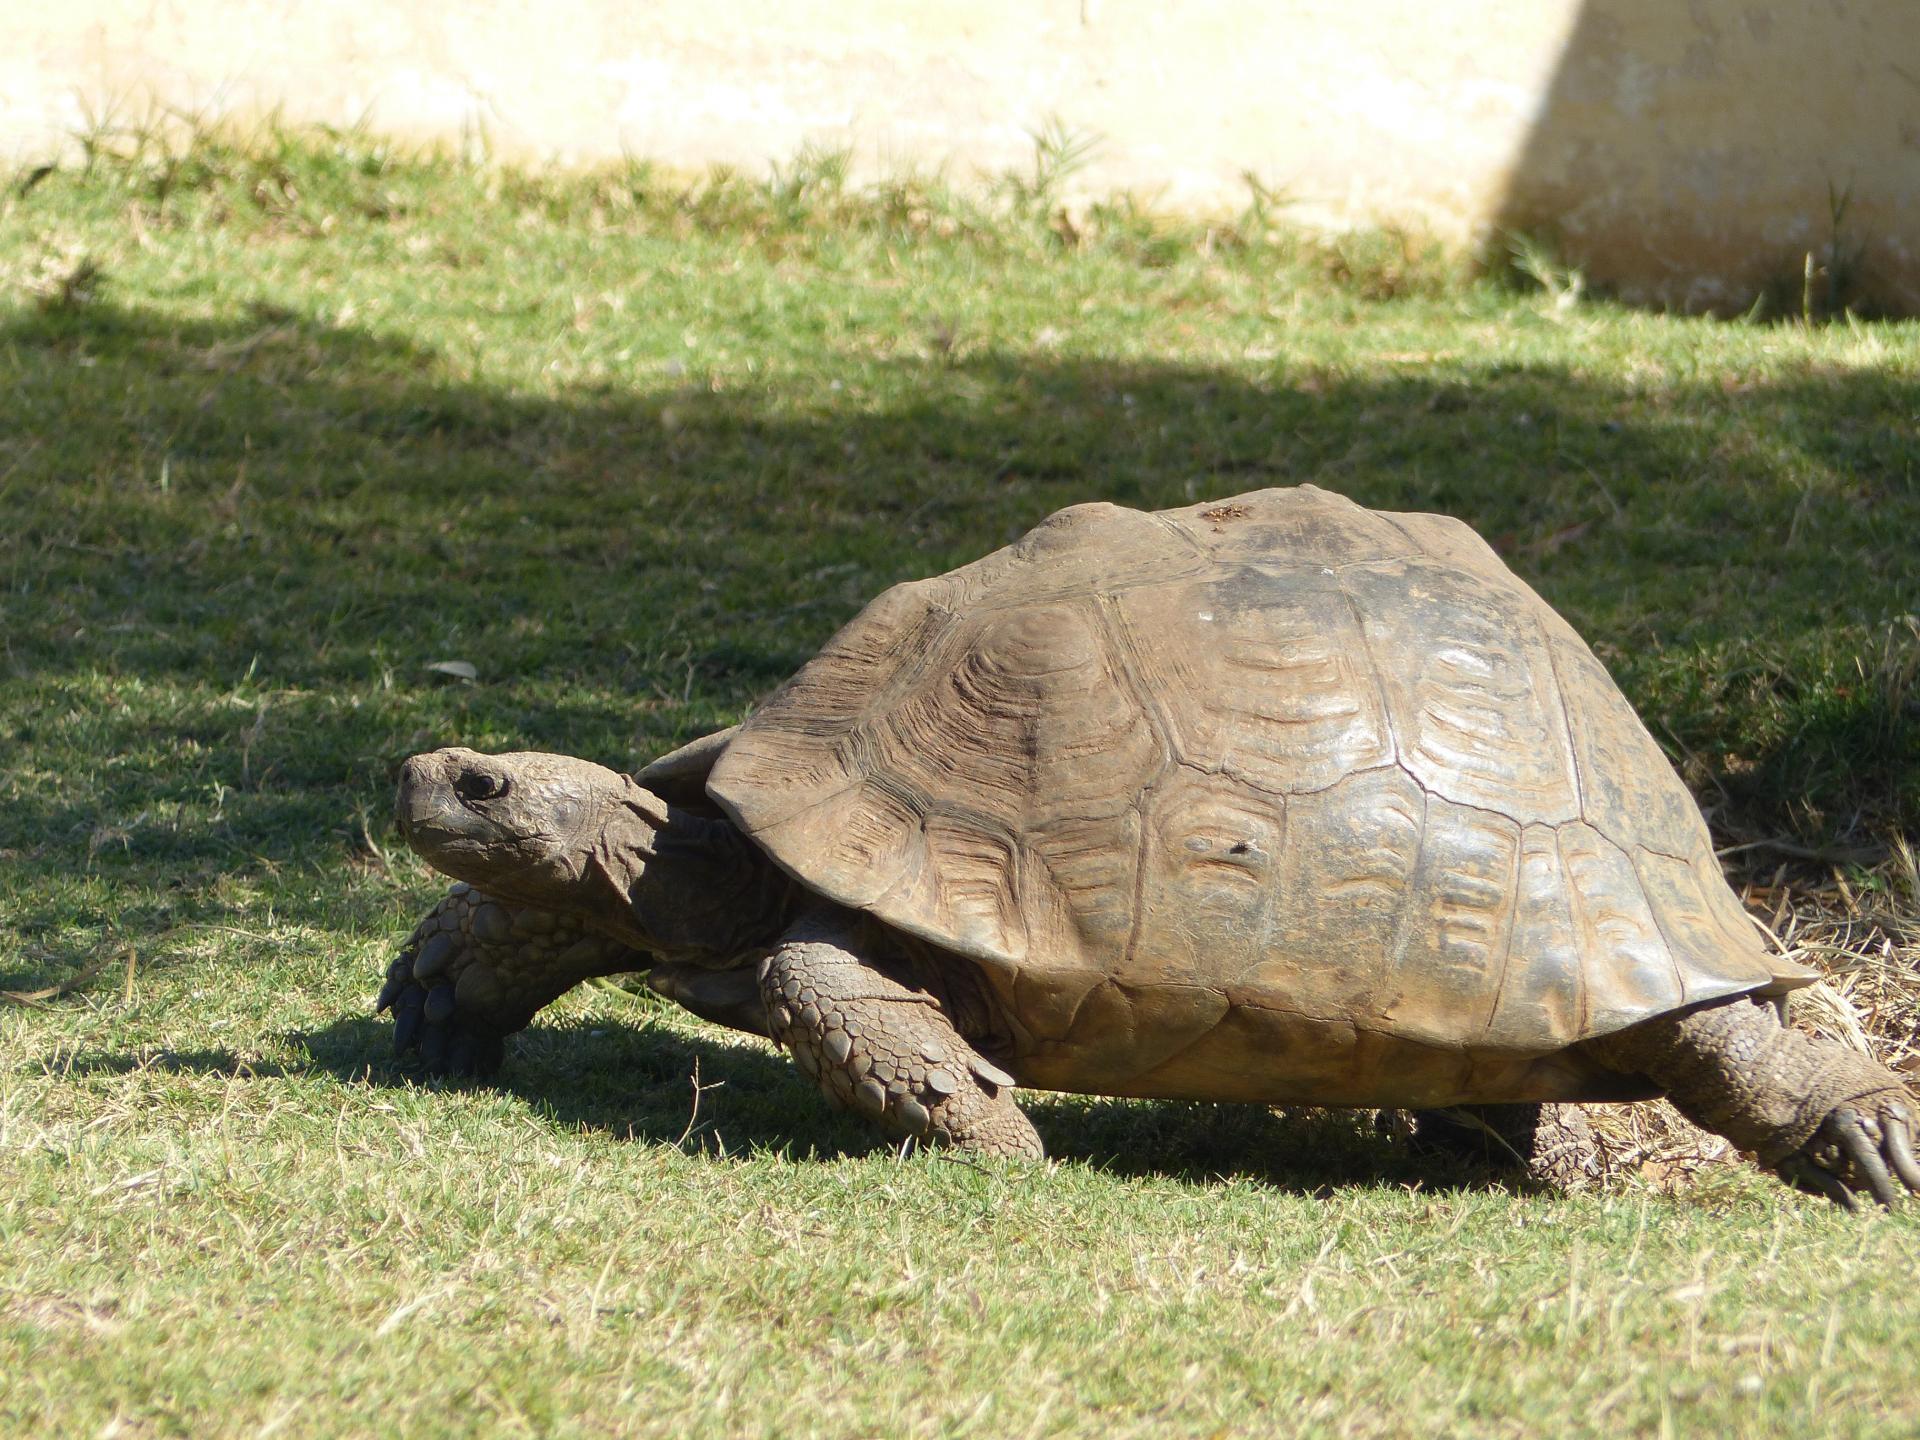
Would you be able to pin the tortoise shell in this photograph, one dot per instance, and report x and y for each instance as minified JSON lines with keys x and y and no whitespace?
{"x":1272,"y":798}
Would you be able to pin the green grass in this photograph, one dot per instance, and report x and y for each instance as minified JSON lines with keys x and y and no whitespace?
{"x":288,"y":422}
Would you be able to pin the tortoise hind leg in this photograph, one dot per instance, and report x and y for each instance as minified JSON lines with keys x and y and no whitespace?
{"x":1823,"y":1117}
{"x":1554,"y":1144}
{"x":878,"y":1046}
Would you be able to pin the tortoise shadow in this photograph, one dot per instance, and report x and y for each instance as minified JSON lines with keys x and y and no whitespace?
{"x":656,"y":1084}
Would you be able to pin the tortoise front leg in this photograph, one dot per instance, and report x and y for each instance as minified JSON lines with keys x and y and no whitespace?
{"x":476,"y":969}
{"x":1826,"y":1119}
{"x":881,"y":1047}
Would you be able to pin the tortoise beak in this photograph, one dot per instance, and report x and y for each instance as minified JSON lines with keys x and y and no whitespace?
{"x":413,"y":802}
{"x":425,"y":800}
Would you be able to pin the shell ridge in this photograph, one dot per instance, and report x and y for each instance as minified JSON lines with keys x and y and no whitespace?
{"x":1565,"y":727}
{"x":1394,"y":520}
{"x":929,"y":808}
{"x":1161,"y":1060}
{"x":1403,"y":928}
{"x":1186,"y":536}
{"x":1586,"y":908}
{"x":734,"y":813}
{"x":1382,"y":707}
{"x":1262,"y":792}
{"x":1498,"y":985}
{"x":1120,"y":646}
{"x":1687,"y":992}
{"x":1583,"y":987}
{"x":1395,"y":740}
{"x":907,"y":670}
{"x":1434,"y":794}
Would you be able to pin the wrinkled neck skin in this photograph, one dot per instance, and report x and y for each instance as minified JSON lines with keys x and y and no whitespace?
{"x":683,"y":886}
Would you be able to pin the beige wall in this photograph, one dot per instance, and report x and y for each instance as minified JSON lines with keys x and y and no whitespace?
{"x":1682,"y":151}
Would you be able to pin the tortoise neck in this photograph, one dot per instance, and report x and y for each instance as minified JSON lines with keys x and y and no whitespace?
{"x":681,"y":885}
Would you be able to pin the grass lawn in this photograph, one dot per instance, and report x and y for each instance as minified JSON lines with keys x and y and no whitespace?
{"x":287,"y":425}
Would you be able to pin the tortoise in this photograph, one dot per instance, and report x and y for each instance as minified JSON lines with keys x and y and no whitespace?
{"x":1270,"y":799}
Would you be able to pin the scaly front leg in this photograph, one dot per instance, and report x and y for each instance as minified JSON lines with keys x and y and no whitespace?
{"x":477,"y":969}
{"x":881,"y":1047}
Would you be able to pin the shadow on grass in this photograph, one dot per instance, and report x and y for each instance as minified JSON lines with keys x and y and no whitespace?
{"x":638,"y":1082}
{"x":178,"y":1062}
{"x":236,"y":547}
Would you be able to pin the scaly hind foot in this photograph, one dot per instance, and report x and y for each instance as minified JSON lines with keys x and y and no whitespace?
{"x":1553,"y":1145}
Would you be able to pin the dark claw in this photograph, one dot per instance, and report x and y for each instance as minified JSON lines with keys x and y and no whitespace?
{"x":433,"y":956}
{"x":1803,"y":1174}
{"x":398,"y":973}
{"x":1858,"y":1147}
{"x":1899,"y":1146}
{"x":390,"y":992}
{"x":439,"y":1007}
{"x":433,"y":1047}
{"x":406,"y":1018}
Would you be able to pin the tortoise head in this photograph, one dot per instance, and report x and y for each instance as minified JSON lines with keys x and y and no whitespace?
{"x":522,"y":826}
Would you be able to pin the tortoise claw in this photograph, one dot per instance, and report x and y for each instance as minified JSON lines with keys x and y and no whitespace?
{"x":406,"y":1018}
{"x":399,"y":974}
{"x":439,"y":1006}
{"x":1898,"y":1124}
{"x":1866,"y":1144}
{"x":462,"y":1051}
{"x":389,"y":993}
{"x":434,"y":956}
{"x":1862,"y":1150}
{"x":1805,"y":1174}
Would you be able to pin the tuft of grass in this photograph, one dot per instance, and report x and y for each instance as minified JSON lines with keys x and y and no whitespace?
{"x":340,"y":452}
{"x":1059,"y":154}
{"x":1532,"y":261}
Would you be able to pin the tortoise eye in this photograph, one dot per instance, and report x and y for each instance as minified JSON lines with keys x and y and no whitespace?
{"x":474,"y":786}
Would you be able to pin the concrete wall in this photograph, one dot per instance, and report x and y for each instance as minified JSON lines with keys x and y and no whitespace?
{"x":1682,"y":151}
